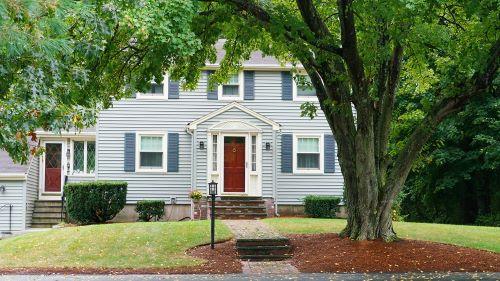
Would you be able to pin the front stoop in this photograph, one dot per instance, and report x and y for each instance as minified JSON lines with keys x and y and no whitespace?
{"x":264,"y":249}
{"x":46,"y":214}
{"x":239,"y":207}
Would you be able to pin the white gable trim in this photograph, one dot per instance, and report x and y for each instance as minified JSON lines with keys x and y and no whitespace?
{"x":193,"y":125}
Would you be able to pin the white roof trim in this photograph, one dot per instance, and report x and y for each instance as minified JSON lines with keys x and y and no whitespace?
{"x":12,"y":176}
{"x":193,"y":125}
{"x":65,"y":134}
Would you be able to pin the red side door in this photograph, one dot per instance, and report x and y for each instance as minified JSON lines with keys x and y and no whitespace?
{"x":234,"y":164}
{"x":53,"y":167}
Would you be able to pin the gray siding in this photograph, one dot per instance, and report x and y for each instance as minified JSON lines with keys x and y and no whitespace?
{"x":172,"y":116}
{"x":14,"y":195}
{"x":32,"y":184}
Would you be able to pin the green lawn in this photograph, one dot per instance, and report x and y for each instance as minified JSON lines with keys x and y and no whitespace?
{"x":124,"y":245}
{"x":479,"y":237}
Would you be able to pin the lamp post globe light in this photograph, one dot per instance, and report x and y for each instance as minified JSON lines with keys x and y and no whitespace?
{"x":212,"y":191}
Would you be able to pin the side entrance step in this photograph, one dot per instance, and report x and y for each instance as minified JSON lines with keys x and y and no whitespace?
{"x":239,"y":207}
{"x":46,"y":214}
{"x":265,"y":249}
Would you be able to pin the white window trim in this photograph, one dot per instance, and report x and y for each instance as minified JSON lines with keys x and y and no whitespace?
{"x":240,"y":89}
{"x":321,"y":154}
{"x":151,"y":96}
{"x":138,"y":136}
{"x":294,"y":91}
{"x":85,"y":155}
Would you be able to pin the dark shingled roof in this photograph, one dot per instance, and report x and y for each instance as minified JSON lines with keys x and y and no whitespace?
{"x":8,"y":166}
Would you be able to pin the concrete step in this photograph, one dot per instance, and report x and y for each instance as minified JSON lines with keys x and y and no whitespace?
{"x":265,"y":250}
{"x":42,"y":225}
{"x":279,"y":241}
{"x":239,"y":210}
{"x":48,"y":215}
{"x":48,"y":209}
{"x":259,"y":203}
{"x":42,"y":204}
{"x":46,"y":220}
{"x":241,"y":216}
{"x":265,"y":257}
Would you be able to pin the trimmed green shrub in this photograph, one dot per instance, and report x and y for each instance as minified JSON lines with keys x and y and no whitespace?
{"x":321,"y":206}
{"x":150,"y":209}
{"x":95,"y":201}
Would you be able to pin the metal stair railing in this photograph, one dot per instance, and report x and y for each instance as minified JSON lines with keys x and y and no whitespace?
{"x":10,"y":217}
{"x":63,"y":200}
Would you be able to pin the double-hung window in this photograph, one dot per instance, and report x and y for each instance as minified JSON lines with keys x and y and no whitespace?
{"x":83,"y":160}
{"x":303,"y":89}
{"x":151,"y":152}
{"x":233,"y":89}
{"x":157,"y":90}
{"x":308,"y":154}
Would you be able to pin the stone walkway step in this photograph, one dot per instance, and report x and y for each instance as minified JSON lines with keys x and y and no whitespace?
{"x":255,"y":241}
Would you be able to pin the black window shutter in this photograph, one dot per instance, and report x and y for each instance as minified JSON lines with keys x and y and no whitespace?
{"x":329,"y":157}
{"x":173,"y":89}
{"x":286,"y":85}
{"x":249,"y":85}
{"x":211,"y":93}
{"x":173,"y":152}
{"x":129,"y":156}
{"x":286,"y":153}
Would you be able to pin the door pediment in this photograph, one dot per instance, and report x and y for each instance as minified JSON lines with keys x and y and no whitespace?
{"x":234,"y":126}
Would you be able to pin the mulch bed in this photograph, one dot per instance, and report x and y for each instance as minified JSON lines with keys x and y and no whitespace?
{"x":330,"y":253}
{"x":223,"y":259}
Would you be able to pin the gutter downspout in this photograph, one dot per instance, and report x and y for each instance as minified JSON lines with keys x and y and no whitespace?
{"x":192,"y":168}
{"x":275,"y":172}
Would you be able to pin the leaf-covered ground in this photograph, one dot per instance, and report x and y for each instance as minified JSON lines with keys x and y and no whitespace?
{"x":123,"y":245}
{"x":479,"y":237}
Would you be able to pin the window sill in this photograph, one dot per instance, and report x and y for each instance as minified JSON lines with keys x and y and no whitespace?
{"x":151,"y":98}
{"x":308,"y":172}
{"x":82,"y":175}
{"x":150,"y":171}
{"x":303,"y":99}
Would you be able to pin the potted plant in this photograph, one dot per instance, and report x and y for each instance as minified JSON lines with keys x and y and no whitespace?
{"x":196,"y":196}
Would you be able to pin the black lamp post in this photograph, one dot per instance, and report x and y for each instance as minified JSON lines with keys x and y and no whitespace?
{"x":212,"y":190}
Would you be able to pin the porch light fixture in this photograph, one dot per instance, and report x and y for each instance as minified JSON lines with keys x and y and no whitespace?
{"x":2,"y":188}
{"x":268,"y":146}
{"x":212,"y":191}
{"x":202,"y":145}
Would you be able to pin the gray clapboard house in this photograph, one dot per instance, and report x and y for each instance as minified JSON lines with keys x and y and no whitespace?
{"x":246,"y":135}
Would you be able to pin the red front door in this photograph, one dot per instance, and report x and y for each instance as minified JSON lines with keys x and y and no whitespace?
{"x":53,"y":167}
{"x":234,"y":164}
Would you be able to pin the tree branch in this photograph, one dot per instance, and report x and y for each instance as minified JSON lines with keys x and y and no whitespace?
{"x":349,"y":47}
{"x":477,"y":85}
{"x":387,"y":106}
{"x":265,"y":18}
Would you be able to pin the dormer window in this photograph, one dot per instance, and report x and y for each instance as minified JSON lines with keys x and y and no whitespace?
{"x":233,"y":89}
{"x":303,"y":89}
{"x":157,"y":90}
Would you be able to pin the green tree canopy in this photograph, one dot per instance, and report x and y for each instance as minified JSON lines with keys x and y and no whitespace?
{"x":362,"y":54}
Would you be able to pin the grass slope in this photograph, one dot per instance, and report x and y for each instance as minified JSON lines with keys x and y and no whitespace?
{"x":124,"y":245}
{"x":479,"y":237}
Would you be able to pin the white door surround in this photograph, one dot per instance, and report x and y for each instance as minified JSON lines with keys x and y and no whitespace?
{"x":235,"y":128}
{"x":43,"y":195}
